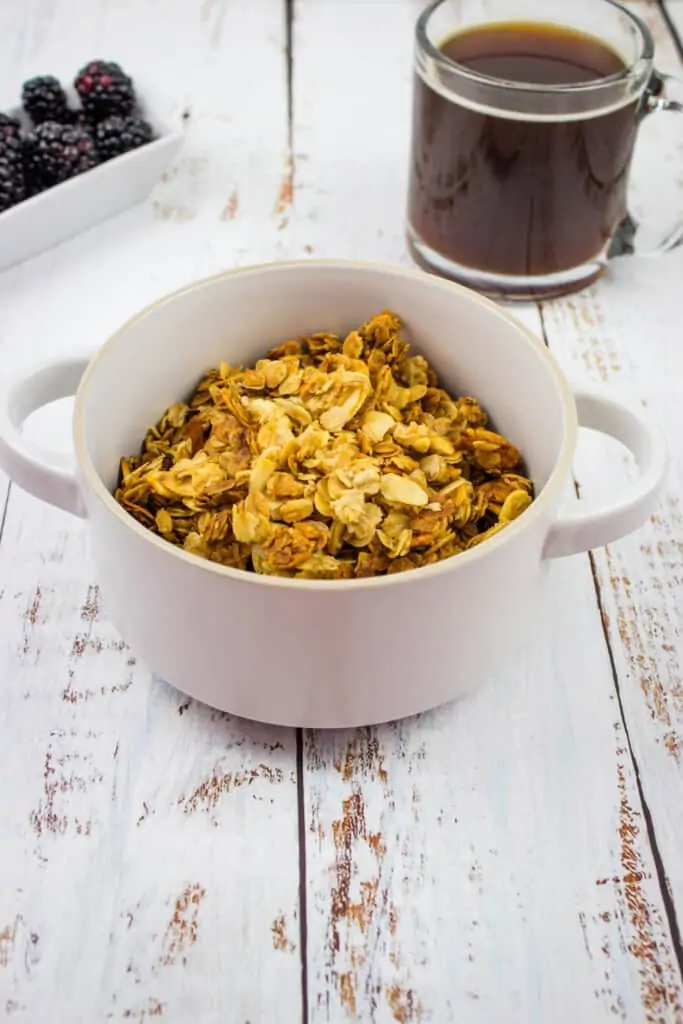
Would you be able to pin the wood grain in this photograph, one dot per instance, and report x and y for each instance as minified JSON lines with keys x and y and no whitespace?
{"x":149,"y":845}
{"x":625,"y":334}
{"x":489,"y":861}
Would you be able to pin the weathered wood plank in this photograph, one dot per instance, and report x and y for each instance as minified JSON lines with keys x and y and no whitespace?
{"x":489,"y":861}
{"x":626,"y":333}
{"x":149,"y":846}
{"x":351,"y":102}
{"x":136,"y":825}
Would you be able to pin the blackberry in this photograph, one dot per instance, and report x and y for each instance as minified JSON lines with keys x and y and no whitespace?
{"x":12,"y":186}
{"x":105,"y":89}
{"x":9,"y":127}
{"x":11,"y":148}
{"x":14,"y":152}
{"x":45,"y":100}
{"x":116,"y":135}
{"x":55,"y":152}
{"x":33,"y":176}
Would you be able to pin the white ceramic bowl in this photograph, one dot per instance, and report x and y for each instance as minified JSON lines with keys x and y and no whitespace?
{"x":331,"y":653}
{"x":65,"y":210}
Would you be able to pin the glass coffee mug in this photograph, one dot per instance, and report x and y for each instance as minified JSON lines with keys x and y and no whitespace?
{"x":523,"y":133}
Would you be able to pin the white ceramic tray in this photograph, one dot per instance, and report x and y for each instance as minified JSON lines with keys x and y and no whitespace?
{"x":65,"y":210}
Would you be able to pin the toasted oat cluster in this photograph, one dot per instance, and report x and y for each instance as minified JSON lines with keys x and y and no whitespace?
{"x":331,"y":458}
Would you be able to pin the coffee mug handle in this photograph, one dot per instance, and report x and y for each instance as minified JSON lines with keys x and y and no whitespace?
{"x":580,"y":531}
{"x":664,"y":93}
{"x":49,"y":476}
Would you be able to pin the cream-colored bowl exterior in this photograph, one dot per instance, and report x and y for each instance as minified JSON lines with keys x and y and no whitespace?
{"x":310,"y":653}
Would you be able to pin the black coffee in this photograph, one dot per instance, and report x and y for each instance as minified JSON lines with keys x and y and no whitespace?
{"x":512,"y":196}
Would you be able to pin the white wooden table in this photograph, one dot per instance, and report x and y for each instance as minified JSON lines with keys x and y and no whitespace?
{"x":517,"y":857}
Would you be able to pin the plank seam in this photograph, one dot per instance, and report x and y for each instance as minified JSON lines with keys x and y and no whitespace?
{"x":673,"y":31}
{"x":303,"y":877}
{"x":667,"y":900}
{"x":289,"y":36}
{"x":3,"y":517}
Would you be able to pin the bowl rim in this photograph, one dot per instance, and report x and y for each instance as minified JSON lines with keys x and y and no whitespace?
{"x":554,"y":484}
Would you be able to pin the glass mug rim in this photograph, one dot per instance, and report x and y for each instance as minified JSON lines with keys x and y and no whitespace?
{"x":632,"y":70}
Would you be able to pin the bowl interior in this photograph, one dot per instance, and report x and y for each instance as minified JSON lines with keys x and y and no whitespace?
{"x":477,"y":349}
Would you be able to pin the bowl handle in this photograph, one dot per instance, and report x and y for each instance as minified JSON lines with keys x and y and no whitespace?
{"x":50,"y":476}
{"x":582,"y":531}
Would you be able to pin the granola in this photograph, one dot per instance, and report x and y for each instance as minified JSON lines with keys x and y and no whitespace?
{"x":331,"y":458}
